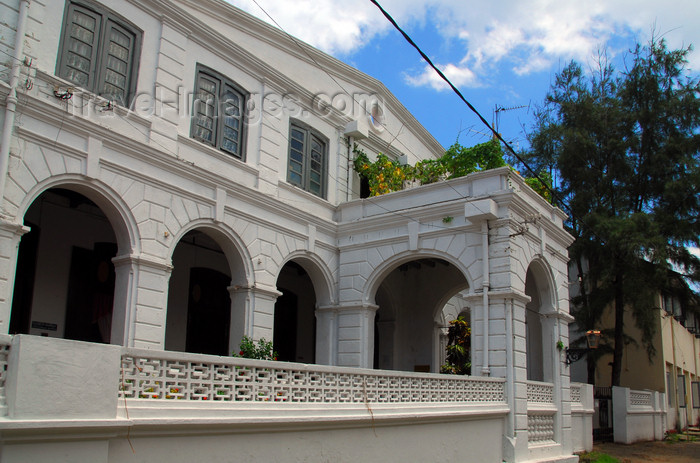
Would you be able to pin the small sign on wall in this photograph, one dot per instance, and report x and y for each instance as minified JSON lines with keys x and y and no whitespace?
{"x":44,"y":326}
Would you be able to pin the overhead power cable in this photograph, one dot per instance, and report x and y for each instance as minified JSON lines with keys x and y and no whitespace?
{"x":474,"y":110}
{"x":346,"y":92}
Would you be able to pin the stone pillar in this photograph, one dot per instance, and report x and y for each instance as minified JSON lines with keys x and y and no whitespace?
{"x":10,"y":235}
{"x":498,"y":345}
{"x":439,"y":346}
{"x":387,"y":355}
{"x":241,"y":302}
{"x":171,"y":102}
{"x":515,"y":439}
{"x":356,"y":335}
{"x":475,"y":303}
{"x":555,"y":327}
{"x":140,"y":301}
{"x":260,"y":315}
{"x":326,"y":335}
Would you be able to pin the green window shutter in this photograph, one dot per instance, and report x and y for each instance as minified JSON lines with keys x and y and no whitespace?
{"x":231,"y":126}
{"x":295,"y":173}
{"x":117,"y":63}
{"x":80,"y":46}
{"x":218,"y":112}
{"x":205,"y":106}
{"x":307,"y":161}
{"x":316,"y":166}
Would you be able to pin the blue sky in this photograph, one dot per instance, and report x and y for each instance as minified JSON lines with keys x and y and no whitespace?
{"x":503,"y":52}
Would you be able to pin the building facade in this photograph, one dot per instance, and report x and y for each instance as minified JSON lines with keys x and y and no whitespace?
{"x":671,"y":370}
{"x":178,"y":174}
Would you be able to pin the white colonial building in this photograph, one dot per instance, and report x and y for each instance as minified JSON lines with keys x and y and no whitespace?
{"x":175,"y":174}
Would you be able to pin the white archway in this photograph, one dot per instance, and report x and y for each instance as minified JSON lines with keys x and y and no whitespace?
{"x":86,"y":227}
{"x":540,"y":340}
{"x":207,"y":299}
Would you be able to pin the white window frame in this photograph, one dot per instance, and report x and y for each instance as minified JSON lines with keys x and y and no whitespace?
{"x":210,"y":112}
{"x":300,"y":164}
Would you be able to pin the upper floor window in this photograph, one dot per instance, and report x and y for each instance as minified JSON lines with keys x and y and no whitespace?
{"x":218,"y":109}
{"x":99,"y":51}
{"x":307,"y":160}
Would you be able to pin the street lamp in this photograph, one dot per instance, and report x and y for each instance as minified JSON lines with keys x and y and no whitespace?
{"x":574,"y":354}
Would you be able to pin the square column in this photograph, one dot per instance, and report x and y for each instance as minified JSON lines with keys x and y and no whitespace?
{"x":259,"y":313}
{"x":515,"y":438}
{"x":356,"y":335}
{"x":326,"y":335}
{"x":140,"y":301}
{"x":10,"y":235}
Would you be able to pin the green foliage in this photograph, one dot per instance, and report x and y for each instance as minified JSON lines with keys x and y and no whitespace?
{"x":262,"y":351}
{"x":542,"y":184}
{"x":597,"y":457}
{"x":460,"y":161}
{"x":624,"y":149}
{"x":458,"y":350}
{"x":385,"y":175}
{"x":673,"y":437}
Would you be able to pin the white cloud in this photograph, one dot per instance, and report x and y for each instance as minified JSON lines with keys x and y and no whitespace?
{"x":334,"y":26}
{"x":459,"y":76}
{"x":524,"y":35}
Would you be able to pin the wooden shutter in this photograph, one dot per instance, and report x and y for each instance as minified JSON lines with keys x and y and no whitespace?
{"x":205,"y":105}
{"x":117,"y":63}
{"x":297,"y":143}
{"x":317,"y":153}
{"x":231,"y":129}
{"x":80,"y":46}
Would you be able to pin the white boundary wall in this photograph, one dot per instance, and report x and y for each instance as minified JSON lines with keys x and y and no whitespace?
{"x":582,"y":417}
{"x":107,"y":403}
{"x":638,"y":415}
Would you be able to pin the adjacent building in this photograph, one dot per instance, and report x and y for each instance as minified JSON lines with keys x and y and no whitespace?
{"x":672,"y":368}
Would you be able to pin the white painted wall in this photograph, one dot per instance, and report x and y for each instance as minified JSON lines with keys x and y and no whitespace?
{"x":638,"y":415}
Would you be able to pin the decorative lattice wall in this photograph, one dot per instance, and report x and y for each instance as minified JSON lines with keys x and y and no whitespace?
{"x":147,"y":375}
{"x":541,"y":411}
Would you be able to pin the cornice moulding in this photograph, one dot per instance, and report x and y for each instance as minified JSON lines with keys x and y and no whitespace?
{"x":280,"y":40}
{"x":167,"y":162}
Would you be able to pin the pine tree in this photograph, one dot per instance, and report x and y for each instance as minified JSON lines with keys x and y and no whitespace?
{"x":624,"y":147}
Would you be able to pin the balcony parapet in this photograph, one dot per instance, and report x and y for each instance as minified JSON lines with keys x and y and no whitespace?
{"x":163,"y":386}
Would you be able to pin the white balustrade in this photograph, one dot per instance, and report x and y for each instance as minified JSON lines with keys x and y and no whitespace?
{"x":540,"y":412}
{"x":179,"y":376}
{"x":575,"y":393}
{"x":540,"y":428}
{"x":640,"y":399}
{"x":538,"y":392}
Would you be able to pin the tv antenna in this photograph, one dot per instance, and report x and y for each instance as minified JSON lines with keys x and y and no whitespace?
{"x":497,"y":110}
